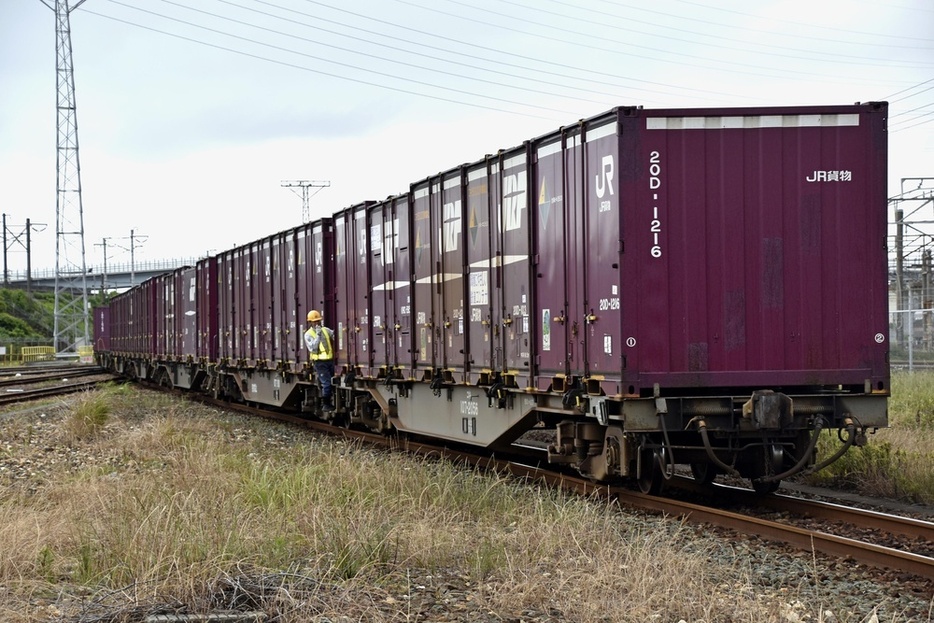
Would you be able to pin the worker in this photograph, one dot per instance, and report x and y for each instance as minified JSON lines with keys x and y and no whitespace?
{"x":320,"y":342}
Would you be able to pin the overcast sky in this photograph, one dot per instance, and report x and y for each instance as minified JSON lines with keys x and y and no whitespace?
{"x":192,"y":113}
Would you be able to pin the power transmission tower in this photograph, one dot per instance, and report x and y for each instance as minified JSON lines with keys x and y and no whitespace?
{"x":71,"y":290}
{"x":305,"y":185}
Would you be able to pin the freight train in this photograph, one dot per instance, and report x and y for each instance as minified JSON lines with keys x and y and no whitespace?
{"x":655,"y":288}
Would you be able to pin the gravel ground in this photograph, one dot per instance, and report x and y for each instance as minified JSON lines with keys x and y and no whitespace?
{"x":818,"y":589}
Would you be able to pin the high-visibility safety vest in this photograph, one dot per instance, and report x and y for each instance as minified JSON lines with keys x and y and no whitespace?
{"x":325,"y":348}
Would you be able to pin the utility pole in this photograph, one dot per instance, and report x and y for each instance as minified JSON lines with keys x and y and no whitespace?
{"x":16,"y":237}
{"x":141,"y":239}
{"x":104,"y":273}
{"x":305,"y":185}
{"x":135,"y":240}
{"x":912,"y":255}
{"x":71,"y":288}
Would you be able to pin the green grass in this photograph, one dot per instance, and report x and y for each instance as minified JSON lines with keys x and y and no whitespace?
{"x":898,"y":462}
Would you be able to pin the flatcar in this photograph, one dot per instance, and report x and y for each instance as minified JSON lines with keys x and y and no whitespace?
{"x":695,"y":287}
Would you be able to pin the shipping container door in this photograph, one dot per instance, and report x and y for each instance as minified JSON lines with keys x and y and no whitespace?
{"x":169,"y":322}
{"x":226,"y":286}
{"x":207,"y":309}
{"x":479,"y":275}
{"x":263,"y":302}
{"x":291,"y":323}
{"x":425,"y":278}
{"x":159,"y":317}
{"x":188,"y":313}
{"x":452,"y":270}
{"x":556,"y":270}
{"x":401,"y":276}
{"x":315,"y":276}
{"x":380,"y":236}
{"x":243,"y":312}
{"x":149,"y":323}
{"x":133,"y":320}
{"x":362,"y":325}
{"x":343,"y":267}
{"x":515,"y":259}
{"x":580,"y":316}
{"x":497,"y":304}
{"x":278,"y":288}
{"x":178,"y":318}
{"x":599,"y":190}
{"x":307,"y":270}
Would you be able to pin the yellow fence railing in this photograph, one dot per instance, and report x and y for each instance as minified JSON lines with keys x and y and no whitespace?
{"x":38,"y":353}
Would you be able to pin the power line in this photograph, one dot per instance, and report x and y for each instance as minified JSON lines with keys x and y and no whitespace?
{"x":850,"y":59}
{"x":806,"y":25}
{"x":339,"y":63}
{"x":746,"y":28}
{"x":361,"y":53}
{"x":582,"y":37}
{"x":309,"y":69}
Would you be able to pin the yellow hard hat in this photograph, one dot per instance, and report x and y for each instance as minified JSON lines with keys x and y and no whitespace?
{"x":314,"y":315}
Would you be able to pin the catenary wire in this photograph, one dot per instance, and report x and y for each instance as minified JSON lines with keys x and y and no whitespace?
{"x":338,"y":63}
{"x":309,"y":69}
{"x":845,"y":58}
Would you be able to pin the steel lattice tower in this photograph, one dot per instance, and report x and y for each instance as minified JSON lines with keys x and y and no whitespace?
{"x":71,"y":293}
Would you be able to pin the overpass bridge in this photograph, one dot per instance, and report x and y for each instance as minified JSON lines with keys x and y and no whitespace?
{"x":108,"y":278}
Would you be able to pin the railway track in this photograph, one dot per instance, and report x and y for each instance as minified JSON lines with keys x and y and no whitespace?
{"x":20,"y":386}
{"x":866,"y":528}
{"x":842,"y":531}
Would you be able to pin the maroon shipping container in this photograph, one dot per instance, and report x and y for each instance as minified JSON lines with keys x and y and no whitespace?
{"x":579,"y":244}
{"x":163,"y":317}
{"x":208,"y":310}
{"x":709,"y":249}
{"x":244,"y":317}
{"x":118,"y":321}
{"x":141,"y":331}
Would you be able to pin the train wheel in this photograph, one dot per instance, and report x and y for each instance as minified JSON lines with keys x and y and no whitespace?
{"x":765,"y":488}
{"x":652,"y":477}
{"x":704,"y":473}
{"x":774,"y":457}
